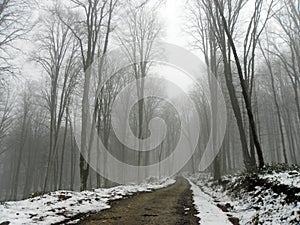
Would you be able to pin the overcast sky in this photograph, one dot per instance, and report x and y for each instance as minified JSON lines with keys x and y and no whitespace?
{"x":172,"y":13}
{"x":172,"y":16}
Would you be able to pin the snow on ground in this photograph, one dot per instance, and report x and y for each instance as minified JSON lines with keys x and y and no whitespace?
{"x":208,"y":212}
{"x":259,"y":204}
{"x":60,"y":206}
{"x":290,"y":178}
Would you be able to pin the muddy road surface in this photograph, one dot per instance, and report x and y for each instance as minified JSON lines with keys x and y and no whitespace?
{"x":172,"y":205}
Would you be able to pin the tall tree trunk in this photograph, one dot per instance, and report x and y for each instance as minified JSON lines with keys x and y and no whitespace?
{"x":237,"y":113}
{"x":83,"y":165}
{"x":279,"y":118}
{"x":244,"y":89}
{"x":63,"y":150}
{"x":217,"y":168}
{"x":277,"y":106}
{"x":19,"y":153}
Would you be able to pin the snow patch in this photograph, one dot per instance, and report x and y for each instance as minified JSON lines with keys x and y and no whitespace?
{"x":259,"y":206}
{"x":208,"y":212}
{"x":60,"y":206}
{"x":290,"y":178}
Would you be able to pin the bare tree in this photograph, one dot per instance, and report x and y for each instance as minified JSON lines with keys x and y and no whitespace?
{"x":12,"y":28}
{"x":13,"y":25}
{"x":209,"y":31}
{"x":91,"y":23}
{"x":205,"y":40}
{"x":25,"y":116}
{"x":57,"y":56}
{"x":266,"y":56}
{"x":288,"y":19}
{"x":250,"y":45}
{"x":141,"y":31}
{"x":6,"y":107}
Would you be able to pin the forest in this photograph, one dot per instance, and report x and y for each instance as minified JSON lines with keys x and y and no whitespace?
{"x":98,"y":93}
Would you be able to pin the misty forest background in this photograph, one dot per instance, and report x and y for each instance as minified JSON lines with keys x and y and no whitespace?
{"x":252,"y":47}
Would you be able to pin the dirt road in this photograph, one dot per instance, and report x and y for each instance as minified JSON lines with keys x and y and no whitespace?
{"x":168,"y":206}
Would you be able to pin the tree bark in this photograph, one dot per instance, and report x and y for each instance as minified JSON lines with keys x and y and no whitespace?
{"x":244,"y":89}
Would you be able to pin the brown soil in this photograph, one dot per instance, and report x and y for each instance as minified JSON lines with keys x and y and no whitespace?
{"x":172,"y":205}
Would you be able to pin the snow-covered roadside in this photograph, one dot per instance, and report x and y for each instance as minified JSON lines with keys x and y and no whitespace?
{"x":208,"y":212}
{"x":61,"y":205}
{"x":267,"y":198}
{"x":290,"y":178}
